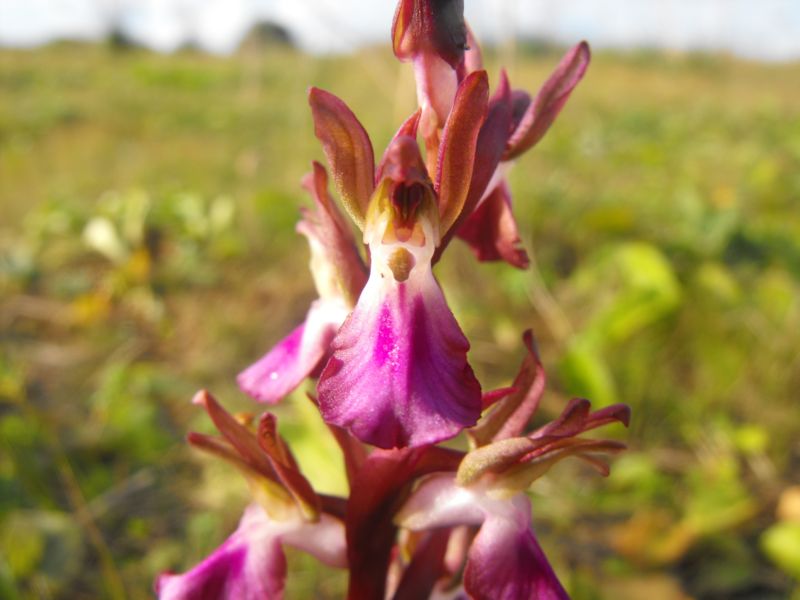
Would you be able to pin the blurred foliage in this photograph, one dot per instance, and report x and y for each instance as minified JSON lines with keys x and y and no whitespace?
{"x":147,"y":249}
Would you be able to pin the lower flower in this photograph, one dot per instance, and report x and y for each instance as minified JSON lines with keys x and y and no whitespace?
{"x":250,"y":564}
{"x":505,"y":561}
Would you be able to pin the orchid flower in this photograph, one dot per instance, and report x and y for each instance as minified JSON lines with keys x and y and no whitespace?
{"x":250,"y":564}
{"x":398,"y":374}
{"x":504,"y":560}
{"x":443,"y":50}
{"x":339,"y":275}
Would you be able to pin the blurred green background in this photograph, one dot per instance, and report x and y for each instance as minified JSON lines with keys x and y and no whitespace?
{"x":147,"y":249}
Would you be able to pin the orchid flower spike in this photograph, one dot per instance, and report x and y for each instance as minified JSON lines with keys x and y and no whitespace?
{"x":250,"y":564}
{"x":339,"y":276}
{"x":398,"y":374}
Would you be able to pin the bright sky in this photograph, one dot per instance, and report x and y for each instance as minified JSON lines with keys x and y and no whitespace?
{"x":766,"y":29}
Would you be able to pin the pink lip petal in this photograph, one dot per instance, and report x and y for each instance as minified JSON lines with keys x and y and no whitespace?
{"x":506,"y":562}
{"x":250,"y":564}
{"x":399,"y":375}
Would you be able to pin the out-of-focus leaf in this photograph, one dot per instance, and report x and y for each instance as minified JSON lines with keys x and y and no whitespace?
{"x":718,"y":282}
{"x":781,"y":543}
{"x":646,"y":290}
{"x":46,"y":547}
{"x":586,"y":374}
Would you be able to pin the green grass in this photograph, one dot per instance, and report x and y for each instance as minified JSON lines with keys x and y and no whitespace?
{"x":661,"y":210}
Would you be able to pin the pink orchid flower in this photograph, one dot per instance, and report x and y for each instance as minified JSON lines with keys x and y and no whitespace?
{"x":504,"y":561}
{"x":435,"y":37}
{"x":250,"y":564}
{"x":398,"y":374}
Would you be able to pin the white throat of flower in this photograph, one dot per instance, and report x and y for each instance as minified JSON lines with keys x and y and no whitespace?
{"x":398,"y":256}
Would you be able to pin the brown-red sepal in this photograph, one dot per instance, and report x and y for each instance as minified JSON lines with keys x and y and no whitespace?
{"x":348,"y":149}
{"x":457,"y":149}
{"x":551,"y":98}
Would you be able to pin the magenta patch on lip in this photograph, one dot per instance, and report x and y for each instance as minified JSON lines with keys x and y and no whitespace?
{"x":399,"y":375}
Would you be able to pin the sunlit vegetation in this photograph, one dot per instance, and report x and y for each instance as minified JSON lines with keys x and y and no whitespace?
{"x":147,"y":206}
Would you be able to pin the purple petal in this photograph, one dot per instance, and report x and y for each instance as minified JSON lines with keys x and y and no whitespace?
{"x":249,"y":565}
{"x":295,"y":357}
{"x":507,"y":563}
{"x":399,"y":375}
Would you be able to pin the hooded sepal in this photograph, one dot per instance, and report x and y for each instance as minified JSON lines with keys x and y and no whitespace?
{"x":434,"y":36}
{"x":514,"y":463}
{"x":338,"y":270}
{"x":511,"y":414}
{"x":408,"y":129}
{"x":435,"y":26}
{"x":456,"y":159}
{"x":490,"y":145}
{"x":263,"y":457}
